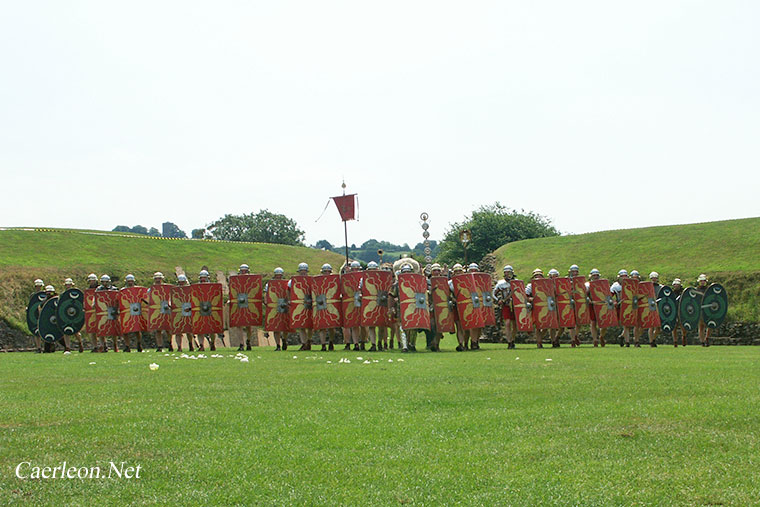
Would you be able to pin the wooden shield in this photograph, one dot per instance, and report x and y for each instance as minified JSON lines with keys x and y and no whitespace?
{"x":352,"y":298}
{"x":412,"y":294}
{"x":182,"y":309}
{"x":714,"y":305}
{"x":207,"y":308}
{"x":689,"y":308}
{"x":667,"y":307}
{"x":647,"y":306}
{"x":48,"y":329}
{"x":132,"y":309}
{"x":70,"y":310}
{"x":581,"y":306}
{"x":300,"y":302}
{"x":563,"y":288}
{"x":326,"y":304}
{"x":485,"y":288}
{"x":629,"y":302}
{"x":276,"y":303}
{"x":107,"y":313}
{"x":603,"y":303}
{"x":544,"y":304}
{"x":523,"y":315}
{"x":160,"y":316}
{"x":375,"y":288}
{"x":90,"y":322}
{"x":469,"y":301}
{"x":246,"y":302}
{"x":33,"y":311}
{"x":442,"y":309}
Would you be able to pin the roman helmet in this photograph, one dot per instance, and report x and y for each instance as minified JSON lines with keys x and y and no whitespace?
{"x":406,"y":268}
{"x":182,"y":279}
{"x":105,"y":279}
{"x":654,"y":275}
{"x":158,"y":274}
{"x":39,"y":283}
{"x":326,"y":268}
{"x":622,"y":272}
{"x":279,"y":271}
{"x":303,"y":267}
{"x":244,"y":268}
{"x":371,"y":265}
{"x":92,"y":277}
{"x":536,"y":272}
{"x":49,"y":289}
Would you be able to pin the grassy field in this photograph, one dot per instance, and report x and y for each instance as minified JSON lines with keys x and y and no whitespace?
{"x":591,"y":426}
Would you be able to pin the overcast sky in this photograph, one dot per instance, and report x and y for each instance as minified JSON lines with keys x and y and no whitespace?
{"x":600,"y":115}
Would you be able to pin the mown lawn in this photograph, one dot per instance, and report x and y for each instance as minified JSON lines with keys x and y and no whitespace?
{"x":591,"y":426}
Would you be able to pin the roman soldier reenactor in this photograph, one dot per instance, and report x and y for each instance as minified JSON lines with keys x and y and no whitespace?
{"x":69,"y":284}
{"x":105,"y":284}
{"x":190,"y":337}
{"x":39,"y":286}
{"x":204,"y":277}
{"x":502,"y":294}
{"x":158,"y":279}
{"x":704,"y":331}
{"x":251,"y":336}
{"x":129,"y":281}
{"x":594,"y":274}
{"x":616,"y":290}
{"x":677,"y":288}
{"x":280,"y":338}
{"x":537,"y":333}
{"x":654,"y":332}
{"x":574,"y":340}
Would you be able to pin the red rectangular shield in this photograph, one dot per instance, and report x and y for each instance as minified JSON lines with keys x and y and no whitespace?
{"x":484,"y":284}
{"x":442,"y":312}
{"x":469,"y":301}
{"x":523,"y":315}
{"x":206,"y":301}
{"x":90,"y":321}
{"x":300,"y":302}
{"x":246,"y":303}
{"x":107,"y":313}
{"x":375,"y":288}
{"x":160,"y":316}
{"x":603,"y":304}
{"x":648,"y":314}
{"x":182,"y":309}
{"x":326,"y":304}
{"x":563,"y":288}
{"x":629,"y":303}
{"x":276,"y":306}
{"x":582,"y":315}
{"x":412,"y":294}
{"x":132,"y":309}
{"x":352,"y":298}
{"x":544,"y":304}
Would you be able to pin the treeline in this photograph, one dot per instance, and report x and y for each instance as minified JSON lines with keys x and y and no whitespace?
{"x":168,"y":230}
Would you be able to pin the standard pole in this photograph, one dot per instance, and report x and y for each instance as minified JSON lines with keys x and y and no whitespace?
{"x":345,"y":232}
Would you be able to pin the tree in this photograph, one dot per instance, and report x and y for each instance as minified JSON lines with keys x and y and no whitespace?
{"x":198,"y":233}
{"x":261,"y":227}
{"x":154,"y":232}
{"x":491,"y":227}
{"x":170,"y":230}
{"x":122,"y":228}
{"x":323,"y":244}
{"x":139,"y":229}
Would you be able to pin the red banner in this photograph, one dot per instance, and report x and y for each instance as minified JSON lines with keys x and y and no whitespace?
{"x":352,"y":298}
{"x":246,"y":302}
{"x":375,"y":288}
{"x":300,"y":302}
{"x":107,"y":313}
{"x":647,"y":305}
{"x":563,"y":288}
{"x":629,"y":314}
{"x":276,"y":302}
{"x":469,"y":301}
{"x":412,"y":293}
{"x":603,"y":303}
{"x":345,"y":205}
{"x":444,"y":316}
{"x":544,"y":304}
{"x":326,"y":304}
{"x":182,"y":310}
{"x":484,"y":284}
{"x":523,"y":315}
{"x":160,"y":316}
{"x":582,"y":315}
{"x":132,"y":309}
{"x":208,"y":313}
{"x":90,"y":321}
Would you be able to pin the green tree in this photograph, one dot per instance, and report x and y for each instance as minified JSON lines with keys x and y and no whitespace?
{"x":171,"y":230}
{"x":491,"y":227}
{"x":154,"y":232}
{"x":198,"y":233}
{"x":261,"y":227}
{"x":323,"y":244}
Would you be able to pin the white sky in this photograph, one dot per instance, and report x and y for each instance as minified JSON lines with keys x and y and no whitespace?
{"x":600,"y":114}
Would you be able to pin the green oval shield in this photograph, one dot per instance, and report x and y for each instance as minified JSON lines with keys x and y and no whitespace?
{"x":714,"y":305}
{"x":70,"y":311}
{"x":33,"y":311}
{"x":689,"y":308}
{"x":48,"y":325}
{"x":667,"y":308}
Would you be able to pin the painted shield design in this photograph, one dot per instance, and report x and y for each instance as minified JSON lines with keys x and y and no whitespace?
{"x":689,"y":308}
{"x":33,"y":311}
{"x":48,"y":329}
{"x":484,"y":284}
{"x":352,"y":298}
{"x":580,"y":303}
{"x":443,"y":308}
{"x":246,"y":301}
{"x":649,"y":317}
{"x":469,"y":301}
{"x":629,"y":302}
{"x":326,"y":304}
{"x":71,"y":311}
{"x":276,"y":302}
{"x":714,"y":305}
{"x":160,"y":317}
{"x":544,"y":304}
{"x":523,"y":315}
{"x":412,"y":294}
{"x":107,"y":313}
{"x":667,"y":308}
{"x":90,"y":322}
{"x":182,"y":309}
{"x":207,"y":308}
{"x":132,"y":302}
{"x":375,"y":288}
{"x":300,"y":302}
{"x":603,"y":303}
{"x":563,"y":288}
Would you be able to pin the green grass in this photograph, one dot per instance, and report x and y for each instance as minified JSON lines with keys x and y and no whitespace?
{"x":593,"y":426}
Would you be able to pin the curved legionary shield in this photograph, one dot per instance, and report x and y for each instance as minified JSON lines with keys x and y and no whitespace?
{"x":714,"y":305}
{"x":484,"y":284}
{"x":33,"y":311}
{"x":563,"y":288}
{"x":160,"y":316}
{"x":48,"y":329}
{"x":132,"y":309}
{"x":412,"y":294}
{"x":326,"y":304}
{"x":375,"y":288}
{"x":443,"y":310}
{"x":276,"y":306}
{"x":629,"y":302}
{"x":523,"y":315}
{"x":469,"y":301}
{"x":544,"y":304}
{"x":246,"y":302}
{"x":300,"y":302}
{"x":666,"y":307}
{"x":580,"y":303}
{"x":207,"y":308}
{"x":182,"y":309}
{"x":603,"y":304}
{"x":689,"y":308}
{"x":352,"y":298}
{"x":107,"y":313}
{"x":90,"y":321}
{"x":649,"y":317}
{"x":71,"y":311}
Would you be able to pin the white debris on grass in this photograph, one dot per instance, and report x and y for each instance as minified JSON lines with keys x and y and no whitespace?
{"x":67,"y":353}
{"x":93,"y":362}
{"x":153,"y":366}
{"x":548,"y":359}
